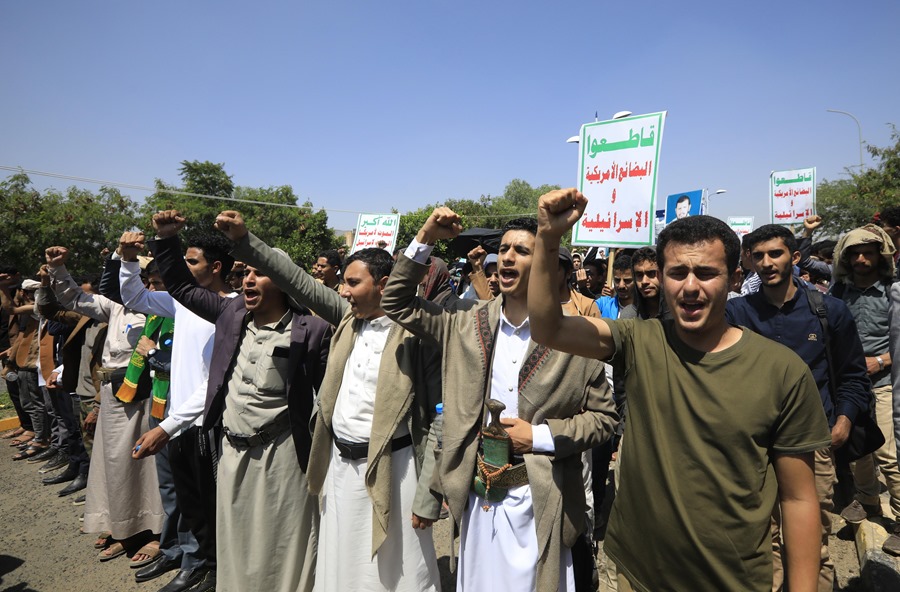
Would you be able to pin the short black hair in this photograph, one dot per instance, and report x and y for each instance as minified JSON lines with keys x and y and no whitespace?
{"x":769,"y":232}
{"x":378,"y":261}
{"x":699,"y":229}
{"x":622,"y":263}
{"x":643,"y":254}
{"x":890,"y":216}
{"x":215,"y":247}
{"x":682,"y":198}
{"x":598,"y":264}
{"x":526,"y":224}
{"x":332,"y":257}
{"x":824,"y":247}
{"x":152,"y":268}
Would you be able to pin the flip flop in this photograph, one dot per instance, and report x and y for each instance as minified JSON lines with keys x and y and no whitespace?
{"x":112,"y":552}
{"x":29,"y":452}
{"x":104,"y":539}
{"x":151,"y":551}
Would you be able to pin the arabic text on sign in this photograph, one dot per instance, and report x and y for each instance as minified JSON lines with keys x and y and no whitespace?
{"x":612,"y":221}
{"x":634,"y":141}
{"x":618,"y":172}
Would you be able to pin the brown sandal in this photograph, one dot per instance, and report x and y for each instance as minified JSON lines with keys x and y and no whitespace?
{"x":104,"y":539}
{"x":111,"y":552}
{"x":151,"y":550}
{"x":23,"y":438}
{"x":13,"y":433}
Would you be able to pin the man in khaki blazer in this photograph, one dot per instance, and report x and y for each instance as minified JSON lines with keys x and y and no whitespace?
{"x":561,"y":400}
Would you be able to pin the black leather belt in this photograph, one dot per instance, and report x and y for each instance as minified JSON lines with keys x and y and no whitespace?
{"x":359,"y":450}
{"x":264,"y":435}
{"x":115,"y":375}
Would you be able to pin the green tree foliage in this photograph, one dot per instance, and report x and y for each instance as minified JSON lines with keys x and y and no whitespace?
{"x":200,"y":178}
{"x":87,"y":222}
{"x":850,"y":203}
{"x":83,"y":221}
{"x":298,"y":230}
{"x":519,"y":199}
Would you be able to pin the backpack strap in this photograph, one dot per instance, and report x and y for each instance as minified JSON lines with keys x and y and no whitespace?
{"x":817,"y":305}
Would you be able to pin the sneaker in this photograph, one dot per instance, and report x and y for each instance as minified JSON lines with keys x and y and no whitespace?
{"x":60,"y":460}
{"x":857,"y":512}
{"x":79,"y":501}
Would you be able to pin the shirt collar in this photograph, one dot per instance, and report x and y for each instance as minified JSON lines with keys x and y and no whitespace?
{"x":282,"y":323}
{"x":760,"y":294}
{"x":504,"y":321}
{"x":381,"y":322}
{"x":877,"y":286}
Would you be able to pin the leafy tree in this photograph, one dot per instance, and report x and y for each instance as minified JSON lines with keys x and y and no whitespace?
{"x":298,"y":230}
{"x":521,"y":196}
{"x":78,"y":219}
{"x":850,"y":203}
{"x":840,"y":207}
{"x":519,"y":199}
{"x":199,"y":178}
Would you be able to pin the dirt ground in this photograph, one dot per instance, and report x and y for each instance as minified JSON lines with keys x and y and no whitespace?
{"x":43,"y":550}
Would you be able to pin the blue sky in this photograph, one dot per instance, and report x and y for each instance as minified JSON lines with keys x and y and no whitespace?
{"x":365,"y":106}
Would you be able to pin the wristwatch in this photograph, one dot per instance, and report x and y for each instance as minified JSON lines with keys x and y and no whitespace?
{"x":880,"y":361}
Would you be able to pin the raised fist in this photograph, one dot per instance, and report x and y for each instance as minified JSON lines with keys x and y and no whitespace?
{"x":231,"y":224}
{"x":442,"y":223}
{"x":130,"y":245}
{"x":559,"y":210}
{"x":476,"y":257}
{"x":56,"y":256}
{"x":168,"y":223}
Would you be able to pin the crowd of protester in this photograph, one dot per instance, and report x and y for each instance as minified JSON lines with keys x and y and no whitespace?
{"x":224,"y":414}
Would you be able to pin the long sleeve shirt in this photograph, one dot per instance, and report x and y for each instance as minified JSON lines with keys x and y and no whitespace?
{"x":191,"y":349}
{"x":797,"y":327}
{"x":125,"y":326}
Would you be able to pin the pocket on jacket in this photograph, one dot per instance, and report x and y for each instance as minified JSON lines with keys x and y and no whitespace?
{"x":272,"y":373}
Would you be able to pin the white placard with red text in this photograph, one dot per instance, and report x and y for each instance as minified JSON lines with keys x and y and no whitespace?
{"x":741,"y":225}
{"x":793,"y":195}
{"x":618,"y":166}
{"x":376,"y":230}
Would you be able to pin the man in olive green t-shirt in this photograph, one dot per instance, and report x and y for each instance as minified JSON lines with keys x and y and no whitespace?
{"x":722,"y":422}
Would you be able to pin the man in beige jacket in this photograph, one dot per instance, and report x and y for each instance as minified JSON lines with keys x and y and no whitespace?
{"x":557,"y":405}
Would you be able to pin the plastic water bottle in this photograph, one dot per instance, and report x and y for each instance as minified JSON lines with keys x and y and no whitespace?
{"x":439,"y":425}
